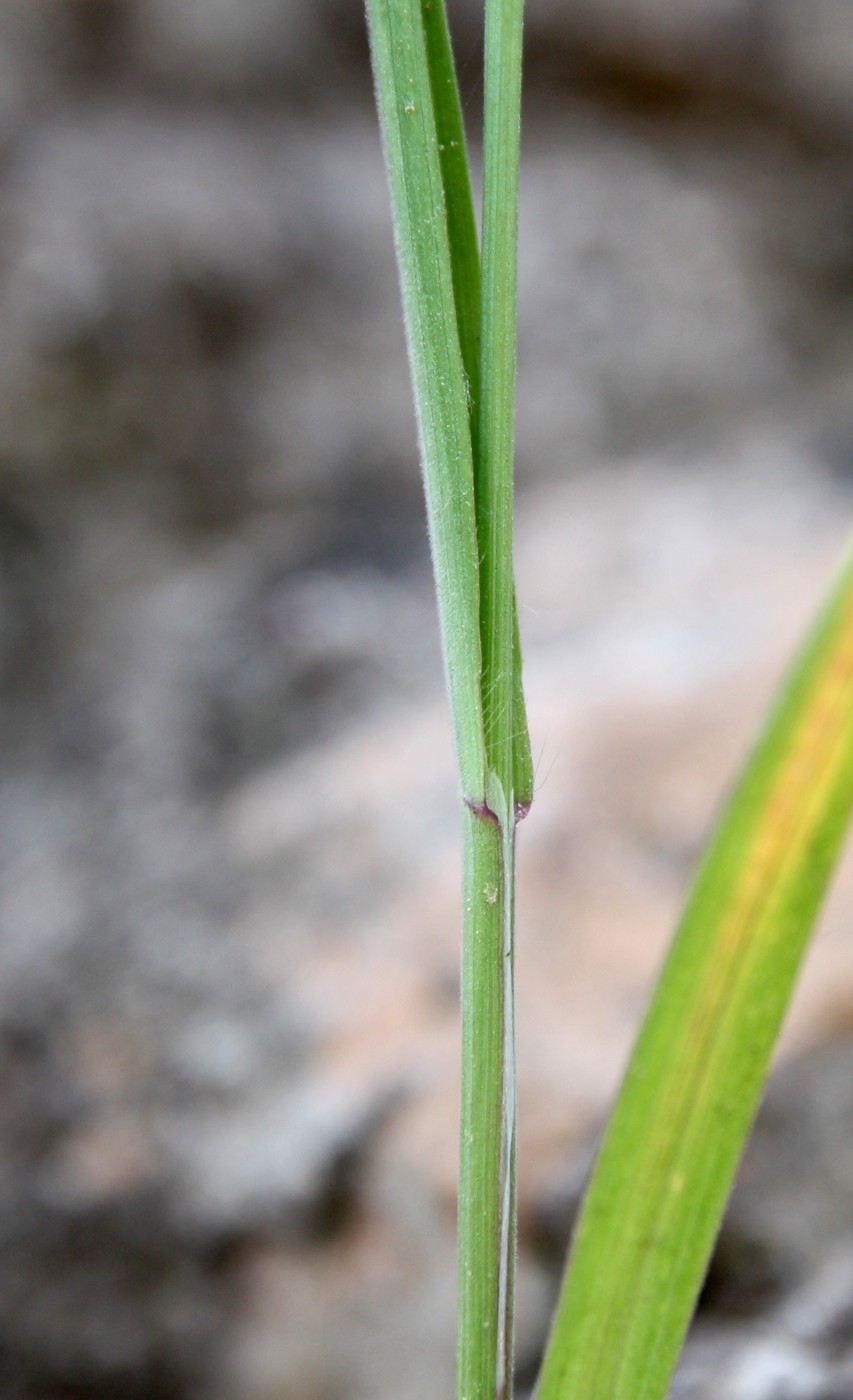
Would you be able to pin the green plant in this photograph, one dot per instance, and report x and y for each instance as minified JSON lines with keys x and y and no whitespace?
{"x":669,"y":1154}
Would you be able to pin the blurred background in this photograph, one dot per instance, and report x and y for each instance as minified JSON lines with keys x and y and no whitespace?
{"x":228,"y":819}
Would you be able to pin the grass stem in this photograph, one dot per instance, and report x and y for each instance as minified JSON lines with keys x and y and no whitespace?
{"x":461,"y":339}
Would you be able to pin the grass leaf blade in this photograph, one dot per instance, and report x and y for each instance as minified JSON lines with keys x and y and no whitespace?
{"x":496,"y":417}
{"x":689,"y":1096}
{"x":465,"y":264}
{"x":407,"y":120}
{"x":458,"y":199}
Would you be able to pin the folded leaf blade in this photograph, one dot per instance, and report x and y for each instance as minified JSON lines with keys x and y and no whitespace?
{"x":407,"y":118}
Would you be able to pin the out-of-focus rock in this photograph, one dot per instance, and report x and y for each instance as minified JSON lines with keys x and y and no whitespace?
{"x":811,"y":48}
{"x":228,"y":870}
{"x":166,"y":297}
{"x":792,"y":58}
